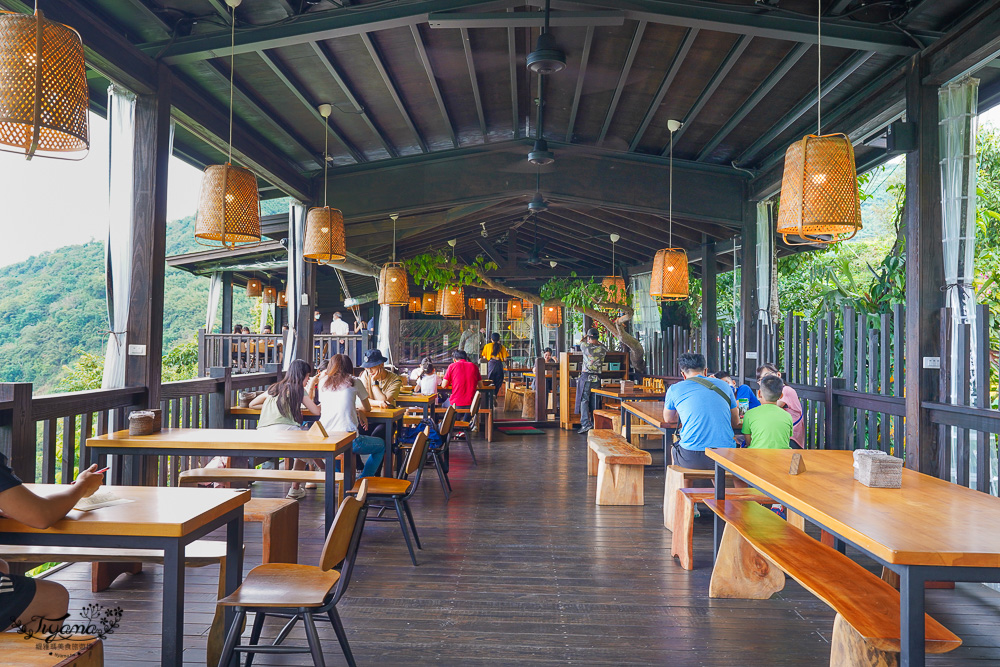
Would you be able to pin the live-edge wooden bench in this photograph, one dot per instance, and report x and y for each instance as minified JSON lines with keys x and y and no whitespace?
{"x":619,"y":467}
{"x":197,"y":476}
{"x":683,"y":524}
{"x":866,"y":629}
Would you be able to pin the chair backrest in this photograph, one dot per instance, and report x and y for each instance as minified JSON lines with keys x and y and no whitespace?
{"x":418,"y":453}
{"x":477,"y":400}
{"x":447,"y":422}
{"x":340,"y":541}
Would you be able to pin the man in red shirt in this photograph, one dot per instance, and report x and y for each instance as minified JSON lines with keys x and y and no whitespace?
{"x":463,"y":379}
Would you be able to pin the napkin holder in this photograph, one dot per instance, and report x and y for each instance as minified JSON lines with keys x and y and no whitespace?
{"x":876,"y":469}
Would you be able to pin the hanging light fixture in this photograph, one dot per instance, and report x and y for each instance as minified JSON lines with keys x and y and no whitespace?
{"x":43,"y":90}
{"x":439,"y":301}
{"x":270,"y":294}
{"x":429,"y":305}
{"x":552,"y":316}
{"x":392,"y":287}
{"x":669,"y":279}
{"x":325,"y":238}
{"x":477,"y":303}
{"x":547,"y":58}
{"x":415,"y":304}
{"x":283,"y":299}
{"x":614,"y":284}
{"x":453,"y":303}
{"x":515,"y":309}
{"x":819,"y":187}
{"x":254,"y":288}
{"x":229,"y":204}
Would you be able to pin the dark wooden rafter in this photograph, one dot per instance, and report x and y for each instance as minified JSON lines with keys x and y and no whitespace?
{"x":675,"y":66}
{"x":578,"y":233}
{"x":588,"y":42}
{"x":633,"y":49}
{"x":512,"y":64}
{"x":728,"y":62}
{"x":221,"y":9}
{"x":432,"y":80}
{"x":474,"y":80}
{"x":772,"y":80}
{"x":335,"y":73}
{"x":973,"y":43}
{"x":658,"y":227}
{"x":312,"y":105}
{"x":391,"y":87}
{"x":808,"y":102}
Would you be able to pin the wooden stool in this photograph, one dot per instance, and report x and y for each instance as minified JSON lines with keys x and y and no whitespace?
{"x":684,"y":502}
{"x":528,"y":404}
{"x":279,"y":519}
{"x":513,"y":399}
{"x":679,"y":478}
{"x":619,"y":467}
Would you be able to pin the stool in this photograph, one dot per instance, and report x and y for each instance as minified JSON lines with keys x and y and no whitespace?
{"x":279,"y":519}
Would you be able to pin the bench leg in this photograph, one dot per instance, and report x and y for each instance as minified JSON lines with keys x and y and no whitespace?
{"x":683,"y":532}
{"x":795,"y":519}
{"x":672,"y":484}
{"x":741,"y":572}
{"x":103,"y":574}
{"x":619,"y":484}
{"x":592,"y":462}
{"x":281,"y":536}
{"x":849,"y":649}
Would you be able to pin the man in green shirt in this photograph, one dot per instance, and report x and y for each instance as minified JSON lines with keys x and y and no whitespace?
{"x":767,"y":426}
{"x":590,"y":377}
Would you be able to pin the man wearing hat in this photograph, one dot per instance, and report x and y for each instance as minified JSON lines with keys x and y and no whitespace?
{"x":590,"y":377}
{"x":382,"y":386}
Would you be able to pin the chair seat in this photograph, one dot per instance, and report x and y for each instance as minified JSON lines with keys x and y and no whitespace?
{"x":384,"y":486}
{"x":283,"y":585}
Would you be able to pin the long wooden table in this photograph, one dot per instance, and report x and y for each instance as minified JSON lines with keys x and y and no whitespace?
{"x":650,"y":412}
{"x":928,"y":530}
{"x":165,"y":519}
{"x":423,"y":401}
{"x":237,"y":442}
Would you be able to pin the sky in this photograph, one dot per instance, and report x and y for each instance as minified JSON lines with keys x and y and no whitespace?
{"x":46,"y":204}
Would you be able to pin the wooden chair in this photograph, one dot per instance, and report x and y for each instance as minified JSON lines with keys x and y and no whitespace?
{"x":302,"y":592}
{"x":399,"y":490}
{"x":467,"y":427}
{"x":438,"y":455}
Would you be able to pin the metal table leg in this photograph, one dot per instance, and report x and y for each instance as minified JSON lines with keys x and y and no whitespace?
{"x":234,"y":567}
{"x":627,"y":425}
{"x":720,"y":494}
{"x":172,"y":624}
{"x":911,"y":616}
{"x":329,"y":486}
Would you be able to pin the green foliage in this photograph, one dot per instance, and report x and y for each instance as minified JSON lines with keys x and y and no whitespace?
{"x":83,"y":374}
{"x":578,"y":293}
{"x":181,"y":362}
{"x":437,"y":270}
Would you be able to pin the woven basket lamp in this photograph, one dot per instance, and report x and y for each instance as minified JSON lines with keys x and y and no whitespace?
{"x":819,"y":191}
{"x":270,"y":294}
{"x":515,"y":309}
{"x":43,"y":90}
{"x":429,"y":305}
{"x":453,"y":304}
{"x":439,"y":301}
{"x":325,"y":240}
{"x":228,"y":207}
{"x":282,"y":299}
{"x":477,"y":304}
{"x":392,"y":287}
{"x":254,"y":288}
{"x":615,"y":287}
{"x":552,"y":316}
{"x":669,"y":279}
{"x":415,"y":304}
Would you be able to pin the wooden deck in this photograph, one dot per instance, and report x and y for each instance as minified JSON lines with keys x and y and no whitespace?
{"x":522,"y":568}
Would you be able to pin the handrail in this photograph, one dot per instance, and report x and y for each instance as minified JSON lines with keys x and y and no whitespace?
{"x":185,"y":388}
{"x":53,"y":406}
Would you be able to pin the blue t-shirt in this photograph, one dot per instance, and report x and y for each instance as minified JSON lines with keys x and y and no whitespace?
{"x":705,"y":419}
{"x":743,"y":391}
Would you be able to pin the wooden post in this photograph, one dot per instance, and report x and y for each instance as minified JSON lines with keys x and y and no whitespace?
{"x":709,"y":306}
{"x":541,"y":395}
{"x":924,"y":270}
{"x":748,"y":295}
{"x":17,"y":429}
{"x":834,"y":421}
{"x":227,"y":302}
{"x":218,"y":400}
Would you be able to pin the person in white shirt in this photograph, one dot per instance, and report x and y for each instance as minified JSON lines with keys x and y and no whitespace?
{"x":338,"y":327}
{"x":427,"y":381}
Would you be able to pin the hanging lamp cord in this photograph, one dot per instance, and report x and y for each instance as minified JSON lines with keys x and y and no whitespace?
{"x":671,"y":190}
{"x":232,"y":74}
{"x":819,"y":66}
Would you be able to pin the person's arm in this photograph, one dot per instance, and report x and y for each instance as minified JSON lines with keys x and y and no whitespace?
{"x":734,"y":417}
{"x":311,"y":407}
{"x":21,"y":504}
{"x":671,"y":418}
{"x":390,"y":389}
{"x":258,"y":401}
{"x":365,"y":407}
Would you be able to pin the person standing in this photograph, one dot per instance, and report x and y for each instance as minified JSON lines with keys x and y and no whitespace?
{"x":495,"y":355}
{"x":317,"y":324}
{"x":590,"y":377}
{"x":470,"y":341}
{"x":705,"y":411}
{"x":338,"y":327}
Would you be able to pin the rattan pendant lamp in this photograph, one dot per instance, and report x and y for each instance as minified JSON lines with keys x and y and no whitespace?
{"x":269,"y":295}
{"x":477,"y":304}
{"x":415,"y":304}
{"x":552,"y":316}
{"x":283,"y":298}
{"x":325,"y":239}
{"x":515,"y":309}
{"x":819,"y":186}
{"x":229,"y":204}
{"x":43,"y":88}
{"x":614,"y":284}
{"x":254,"y":288}
{"x":392,"y":287}
{"x":429,"y":304}
{"x":451,"y":300}
{"x":669,"y":279}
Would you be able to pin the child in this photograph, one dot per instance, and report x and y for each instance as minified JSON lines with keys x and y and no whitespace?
{"x":768,"y":426}
{"x":789,"y":402}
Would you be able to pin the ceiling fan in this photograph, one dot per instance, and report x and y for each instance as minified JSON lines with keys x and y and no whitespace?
{"x":535,"y":256}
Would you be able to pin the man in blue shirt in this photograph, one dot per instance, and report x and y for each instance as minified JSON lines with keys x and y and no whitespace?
{"x":704,"y":408}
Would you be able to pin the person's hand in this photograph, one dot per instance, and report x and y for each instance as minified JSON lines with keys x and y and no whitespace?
{"x":362,"y":419}
{"x":380,"y":404}
{"x":90,"y":480}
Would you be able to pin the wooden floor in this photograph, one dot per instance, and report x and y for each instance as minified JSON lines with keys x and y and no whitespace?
{"x":522,"y":568}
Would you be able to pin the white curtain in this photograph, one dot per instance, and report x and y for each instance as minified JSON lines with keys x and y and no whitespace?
{"x":118,"y":251}
{"x":214,"y":294}
{"x":295,"y":285}
{"x":384,"y":341}
{"x":765,"y":260}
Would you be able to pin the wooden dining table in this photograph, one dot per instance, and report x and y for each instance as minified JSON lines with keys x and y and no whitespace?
{"x":651,"y":412}
{"x":237,"y":442}
{"x":392,"y":419}
{"x":928,"y":530}
{"x":423,"y":401}
{"x":166,"y":519}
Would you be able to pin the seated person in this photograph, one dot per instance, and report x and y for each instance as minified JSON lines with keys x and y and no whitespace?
{"x":23,"y":598}
{"x":789,"y":402}
{"x":463,"y":378}
{"x":381,"y":384}
{"x":427,"y":380}
{"x":743,"y":391}
{"x":768,"y":426}
{"x":705,"y":411}
{"x":419,"y":370}
{"x":549,"y":359}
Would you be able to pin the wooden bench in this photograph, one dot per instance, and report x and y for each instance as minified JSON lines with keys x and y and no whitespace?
{"x":619,"y":467}
{"x":77,"y":650}
{"x":197,"y":476}
{"x":683,"y":532}
{"x":612,"y":419}
{"x":866,"y":628}
{"x":279,"y":519}
{"x":679,"y":478}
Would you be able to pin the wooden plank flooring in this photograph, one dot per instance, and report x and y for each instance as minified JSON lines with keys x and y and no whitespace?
{"x":522,"y":568}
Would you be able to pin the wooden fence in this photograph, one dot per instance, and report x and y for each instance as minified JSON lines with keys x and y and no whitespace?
{"x":255,"y":353}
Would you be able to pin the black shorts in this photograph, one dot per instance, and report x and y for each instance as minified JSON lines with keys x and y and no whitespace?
{"x":16,"y":593}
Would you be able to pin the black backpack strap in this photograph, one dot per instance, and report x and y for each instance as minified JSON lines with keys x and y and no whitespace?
{"x":705,"y":383}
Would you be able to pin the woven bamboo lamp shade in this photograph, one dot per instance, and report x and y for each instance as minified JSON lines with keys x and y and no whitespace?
{"x":477,"y":304}
{"x":819,"y":191}
{"x":416,"y":303}
{"x":270,"y":294}
{"x":282,"y":299}
{"x":325,"y":241}
{"x":615,"y":287}
{"x":453,"y":303}
{"x":439,"y":301}
{"x":228,"y":207}
{"x":515,"y":309}
{"x":669,"y":279}
{"x":254,"y":287}
{"x":392,"y":287}
{"x":429,"y":305}
{"x":552,"y":316}
{"x":43,"y":89}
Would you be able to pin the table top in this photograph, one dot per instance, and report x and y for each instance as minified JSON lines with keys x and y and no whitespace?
{"x":926,"y":522}
{"x":221,"y":439}
{"x":650,"y":412}
{"x":615,"y":392}
{"x":157,"y":512}
{"x":416,"y":398}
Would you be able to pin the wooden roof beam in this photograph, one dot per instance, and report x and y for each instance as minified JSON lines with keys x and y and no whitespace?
{"x":526,"y":19}
{"x":474,"y":80}
{"x":588,"y":42}
{"x":514,"y":105}
{"x":391,"y":87}
{"x":675,"y":66}
{"x":633,"y":48}
{"x":969,"y":46}
{"x":432,"y":80}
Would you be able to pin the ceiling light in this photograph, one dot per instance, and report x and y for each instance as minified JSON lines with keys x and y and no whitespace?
{"x":540,"y":153}
{"x":547,"y":58}
{"x":538,"y":204}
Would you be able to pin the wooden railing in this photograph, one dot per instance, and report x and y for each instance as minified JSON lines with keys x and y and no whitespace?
{"x":255,"y":353}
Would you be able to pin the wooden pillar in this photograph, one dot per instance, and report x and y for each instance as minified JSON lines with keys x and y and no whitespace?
{"x":709,"y":306}
{"x":924,"y":270}
{"x":392,"y":317}
{"x":227,"y":302}
{"x":747,"y":317}
{"x":17,"y":429}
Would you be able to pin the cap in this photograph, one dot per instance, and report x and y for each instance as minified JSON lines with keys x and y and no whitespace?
{"x":592,"y":333}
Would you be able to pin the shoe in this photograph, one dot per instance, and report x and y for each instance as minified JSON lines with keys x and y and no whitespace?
{"x":583,"y":430}
{"x":310,"y":485}
{"x":780,"y":511}
{"x":295,"y":494}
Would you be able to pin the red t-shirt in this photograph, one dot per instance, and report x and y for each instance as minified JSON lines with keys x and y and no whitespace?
{"x":463,"y":379}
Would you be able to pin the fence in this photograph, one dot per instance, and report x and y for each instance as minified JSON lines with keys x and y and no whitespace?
{"x":254,"y":353}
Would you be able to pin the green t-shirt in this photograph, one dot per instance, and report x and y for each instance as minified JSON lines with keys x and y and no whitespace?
{"x":768,"y":426}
